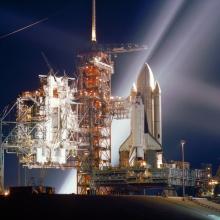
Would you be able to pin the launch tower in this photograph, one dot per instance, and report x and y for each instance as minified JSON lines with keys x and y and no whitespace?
{"x":66,"y":123}
{"x":94,"y":95}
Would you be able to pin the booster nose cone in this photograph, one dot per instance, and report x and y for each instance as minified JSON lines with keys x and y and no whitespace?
{"x":145,"y":78}
{"x":157,"y":89}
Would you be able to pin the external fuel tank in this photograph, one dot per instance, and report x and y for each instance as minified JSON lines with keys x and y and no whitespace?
{"x":145,"y":86}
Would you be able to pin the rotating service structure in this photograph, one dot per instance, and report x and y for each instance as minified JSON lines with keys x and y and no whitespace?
{"x":44,"y":132}
{"x":94,"y":96}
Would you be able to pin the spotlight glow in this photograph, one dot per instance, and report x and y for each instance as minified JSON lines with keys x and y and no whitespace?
{"x":70,"y":183}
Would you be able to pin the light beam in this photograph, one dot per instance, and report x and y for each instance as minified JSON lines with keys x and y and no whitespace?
{"x":21,"y":29}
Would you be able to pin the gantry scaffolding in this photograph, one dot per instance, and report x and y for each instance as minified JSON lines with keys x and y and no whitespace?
{"x":41,"y":127}
{"x":94,"y":95}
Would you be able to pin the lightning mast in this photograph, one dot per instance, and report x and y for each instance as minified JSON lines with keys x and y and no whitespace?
{"x":93,"y":21}
{"x":94,"y":93}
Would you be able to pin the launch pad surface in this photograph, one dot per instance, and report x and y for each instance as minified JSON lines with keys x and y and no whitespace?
{"x":103,"y":207}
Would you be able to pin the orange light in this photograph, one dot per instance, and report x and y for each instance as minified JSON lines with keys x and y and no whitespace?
{"x":6,"y":193}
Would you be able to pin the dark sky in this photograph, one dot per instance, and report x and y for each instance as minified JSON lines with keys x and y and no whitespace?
{"x":184,"y":49}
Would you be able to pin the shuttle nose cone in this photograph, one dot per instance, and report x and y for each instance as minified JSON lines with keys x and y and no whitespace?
{"x":145,"y":78}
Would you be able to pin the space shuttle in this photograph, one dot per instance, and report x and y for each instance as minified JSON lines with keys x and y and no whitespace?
{"x":143,"y":147}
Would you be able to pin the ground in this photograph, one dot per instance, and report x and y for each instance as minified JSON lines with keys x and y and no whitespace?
{"x":103,"y":207}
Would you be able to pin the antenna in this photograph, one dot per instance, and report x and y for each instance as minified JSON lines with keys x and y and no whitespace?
{"x":93,"y":21}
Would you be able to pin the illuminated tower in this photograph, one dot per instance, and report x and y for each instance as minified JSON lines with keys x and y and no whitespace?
{"x":94,"y":91}
{"x":93,"y":21}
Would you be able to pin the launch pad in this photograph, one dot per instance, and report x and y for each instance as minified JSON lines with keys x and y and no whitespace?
{"x":66,"y":123}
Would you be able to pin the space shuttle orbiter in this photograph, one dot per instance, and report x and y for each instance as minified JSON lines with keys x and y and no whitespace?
{"x":144,"y":144}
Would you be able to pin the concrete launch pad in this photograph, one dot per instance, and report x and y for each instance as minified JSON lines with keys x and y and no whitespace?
{"x":103,"y":207}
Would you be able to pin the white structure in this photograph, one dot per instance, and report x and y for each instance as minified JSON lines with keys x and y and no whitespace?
{"x":45,"y":134}
{"x":145,"y":141}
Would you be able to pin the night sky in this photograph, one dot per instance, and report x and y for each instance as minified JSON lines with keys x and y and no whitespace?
{"x":184,"y":49}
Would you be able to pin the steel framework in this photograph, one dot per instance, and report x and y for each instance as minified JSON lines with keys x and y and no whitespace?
{"x":41,"y":127}
{"x":94,"y":94}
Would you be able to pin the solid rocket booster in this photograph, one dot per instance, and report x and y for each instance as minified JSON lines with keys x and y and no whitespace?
{"x":157,"y":113}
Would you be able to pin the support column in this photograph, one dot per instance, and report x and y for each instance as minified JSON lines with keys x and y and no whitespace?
{"x":1,"y":161}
